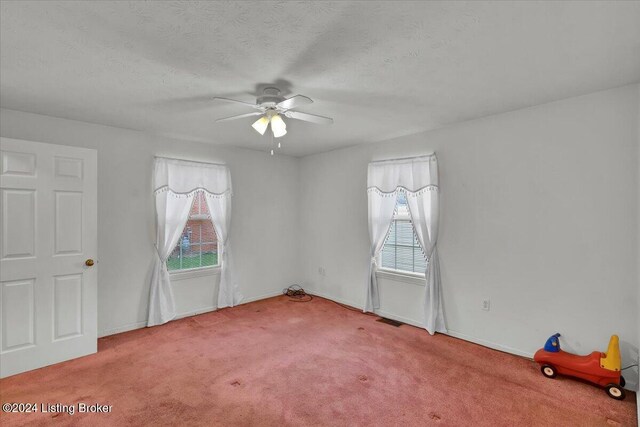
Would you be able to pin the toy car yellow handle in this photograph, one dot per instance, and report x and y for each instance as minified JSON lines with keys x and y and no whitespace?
{"x":611,"y":359}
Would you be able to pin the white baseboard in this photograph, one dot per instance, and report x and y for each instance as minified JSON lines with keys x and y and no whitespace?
{"x":195,"y":312}
{"x":259,"y":297}
{"x":408,"y":321}
{"x":340,"y":300}
{"x":490,"y":344}
{"x":142,"y":324}
{"x":402,"y":319}
{"x":120,"y":329}
{"x":419,"y":324}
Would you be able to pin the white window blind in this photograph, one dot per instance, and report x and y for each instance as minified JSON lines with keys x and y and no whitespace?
{"x":401,"y":250}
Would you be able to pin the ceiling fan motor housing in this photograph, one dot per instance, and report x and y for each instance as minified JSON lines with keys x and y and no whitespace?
{"x":270,"y":97}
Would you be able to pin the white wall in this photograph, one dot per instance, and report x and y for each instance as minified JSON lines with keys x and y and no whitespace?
{"x":264,"y":213}
{"x":638,"y":253}
{"x":539,"y":214}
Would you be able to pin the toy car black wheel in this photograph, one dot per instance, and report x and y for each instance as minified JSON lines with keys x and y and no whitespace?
{"x":615,"y":391}
{"x":622,"y":381}
{"x":549,"y":371}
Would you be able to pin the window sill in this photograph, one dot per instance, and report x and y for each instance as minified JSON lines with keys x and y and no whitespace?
{"x":193,"y":273}
{"x":401,"y":276}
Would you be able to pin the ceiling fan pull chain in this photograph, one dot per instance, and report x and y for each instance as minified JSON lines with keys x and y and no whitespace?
{"x":272,"y":143}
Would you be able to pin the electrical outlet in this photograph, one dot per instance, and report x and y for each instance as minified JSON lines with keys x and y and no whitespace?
{"x":486,"y":304}
{"x":322,"y":271}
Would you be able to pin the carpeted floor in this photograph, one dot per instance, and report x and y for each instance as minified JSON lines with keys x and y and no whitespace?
{"x":276,"y":362}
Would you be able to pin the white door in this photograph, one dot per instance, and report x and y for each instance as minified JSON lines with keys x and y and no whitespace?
{"x":48,"y":218}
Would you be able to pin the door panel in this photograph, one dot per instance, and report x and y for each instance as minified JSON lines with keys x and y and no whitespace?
{"x":68,"y":168}
{"x":67,"y":306}
{"x":16,"y":163}
{"x":18,"y":223}
{"x":48,"y":223}
{"x":68,"y":230}
{"x":17,"y":311}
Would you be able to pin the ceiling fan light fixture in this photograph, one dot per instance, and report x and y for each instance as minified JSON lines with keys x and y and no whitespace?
{"x":272,"y":107}
{"x":278,"y":126}
{"x":261,"y":124}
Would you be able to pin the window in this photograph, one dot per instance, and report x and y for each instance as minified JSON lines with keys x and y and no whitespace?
{"x":401,"y":250}
{"x":198,"y":244}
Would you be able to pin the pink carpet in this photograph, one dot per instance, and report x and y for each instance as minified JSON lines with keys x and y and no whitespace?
{"x":276,"y":362}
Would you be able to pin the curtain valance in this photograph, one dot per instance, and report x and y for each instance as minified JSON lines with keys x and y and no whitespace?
{"x":414,"y":175}
{"x":183,"y":177}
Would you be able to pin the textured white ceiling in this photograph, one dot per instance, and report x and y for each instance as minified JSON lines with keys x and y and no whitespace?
{"x":380,"y":69}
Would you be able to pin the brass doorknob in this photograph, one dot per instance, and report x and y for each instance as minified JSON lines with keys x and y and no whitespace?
{"x":89,"y":262}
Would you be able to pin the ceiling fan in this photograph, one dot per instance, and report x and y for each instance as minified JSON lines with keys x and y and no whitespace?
{"x":271,"y":107}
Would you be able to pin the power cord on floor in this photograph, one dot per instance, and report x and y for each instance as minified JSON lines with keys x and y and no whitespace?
{"x":297,"y":294}
{"x":630,"y":366}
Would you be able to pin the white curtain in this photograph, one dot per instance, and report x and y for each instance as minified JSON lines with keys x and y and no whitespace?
{"x":175,"y":184}
{"x":418,"y":177}
{"x":172,"y":214}
{"x":381,"y":209}
{"x":423,"y":208}
{"x":220,"y":209}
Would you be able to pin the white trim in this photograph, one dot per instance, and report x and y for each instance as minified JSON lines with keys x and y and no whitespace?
{"x":459,"y":335}
{"x":419,"y":324}
{"x":177,"y":275}
{"x":195,"y":312}
{"x":402,"y":276}
{"x":340,"y":300}
{"x":120,"y":329}
{"x":142,"y":324}
{"x":190,"y":161}
{"x":260,"y":297}
{"x":402,"y":159}
{"x":490,"y":344}
{"x":382,"y":313}
{"x":402,"y":319}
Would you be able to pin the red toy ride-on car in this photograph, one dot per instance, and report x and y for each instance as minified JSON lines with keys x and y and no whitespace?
{"x":599,"y":368}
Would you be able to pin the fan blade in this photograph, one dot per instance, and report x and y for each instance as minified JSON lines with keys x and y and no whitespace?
{"x":293,"y":102}
{"x":321,"y":120}
{"x":240,"y":116}
{"x":235,"y":101}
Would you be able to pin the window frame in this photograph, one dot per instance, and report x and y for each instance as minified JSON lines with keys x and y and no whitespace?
{"x":401,"y":214}
{"x":209,"y":270}
{"x":190,"y":273}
